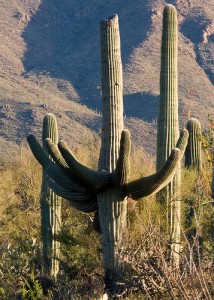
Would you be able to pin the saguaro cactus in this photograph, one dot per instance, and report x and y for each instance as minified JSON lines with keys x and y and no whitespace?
{"x":111,"y":201}
{"x":193,"y":160}
{"x":50,"y":206}
{"x":193,"y":157}
{"x":105,"y":191}
{"x":168,"y":127}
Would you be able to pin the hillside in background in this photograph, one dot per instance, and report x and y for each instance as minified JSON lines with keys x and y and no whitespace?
{"x":50,"y":62}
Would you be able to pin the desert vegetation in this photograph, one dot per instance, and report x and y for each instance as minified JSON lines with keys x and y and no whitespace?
{"x":147,"y":271}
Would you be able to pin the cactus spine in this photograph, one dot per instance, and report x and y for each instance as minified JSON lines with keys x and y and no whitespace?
{"x":193,"y":150}
{"x":168,"y":127}
{"x":50,"y":207}
{"x":105,"y":191}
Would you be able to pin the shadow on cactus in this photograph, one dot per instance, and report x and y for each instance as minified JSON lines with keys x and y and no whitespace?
{"x":105,"y":191}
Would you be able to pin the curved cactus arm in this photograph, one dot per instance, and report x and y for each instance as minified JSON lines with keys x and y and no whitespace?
{"x":183,"y":140}
{"x":95,"y":179}
{"x":79,"y":200}
{"x":68,"y":194}
{"x":55,"y":173}
{"x":39,"y":153}
{"x":152,"y":184}
{"x":121,"y":173}
{"x":58,"y":158}
{"x":56,"y":155}
{"x":52,"y":169}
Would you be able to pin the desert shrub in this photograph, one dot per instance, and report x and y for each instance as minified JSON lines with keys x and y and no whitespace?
{"x":21,"y":248}
{"x":148,"y":274}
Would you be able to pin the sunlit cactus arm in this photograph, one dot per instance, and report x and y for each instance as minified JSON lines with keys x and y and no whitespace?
{"x":121,"y":173}
{"x":183,"y":140}
{"x":95,"y":179}
{"x":79,"y":200}
{"x":152,"y":184}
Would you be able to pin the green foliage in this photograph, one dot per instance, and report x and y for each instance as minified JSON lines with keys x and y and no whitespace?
{"x":32,"y":289}
{"x":3,"y":294}
{"x":81,"y":251}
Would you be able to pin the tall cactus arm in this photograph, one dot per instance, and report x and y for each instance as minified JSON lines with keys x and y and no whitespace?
{"x":95,"y":179}
{"x":152,"y":184}
{"x":121,"y":173}
{"x":49,"y":129}
{"x":79,"y":200}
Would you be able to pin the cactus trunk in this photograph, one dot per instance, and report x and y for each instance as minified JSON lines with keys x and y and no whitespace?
{"x":168,"y":127}
{"x":111,"y":201}
{"x":50,"y":207}
{"x":193,"y":160}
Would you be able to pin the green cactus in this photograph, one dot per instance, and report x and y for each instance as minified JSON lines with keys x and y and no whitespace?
{"x":50,"y":206}
{"x":193,"y":157}
{"x":193,"y":160}
{"x":105,"y":191}
{"x":168,"y":130}
{"x":168,"y":127}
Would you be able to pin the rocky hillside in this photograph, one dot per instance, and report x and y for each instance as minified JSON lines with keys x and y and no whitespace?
{"x":50,"y":62}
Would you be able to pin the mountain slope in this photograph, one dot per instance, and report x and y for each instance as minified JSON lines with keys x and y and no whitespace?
{"x":50,"y":62}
